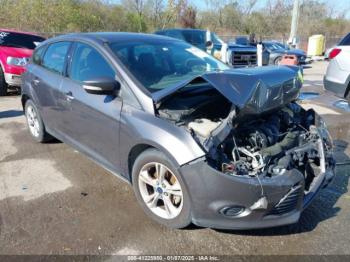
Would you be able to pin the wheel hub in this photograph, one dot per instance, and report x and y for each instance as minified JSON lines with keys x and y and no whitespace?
{"x":160,"y":190}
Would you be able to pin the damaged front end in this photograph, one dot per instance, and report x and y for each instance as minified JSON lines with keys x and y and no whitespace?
{"x":266,"y":157}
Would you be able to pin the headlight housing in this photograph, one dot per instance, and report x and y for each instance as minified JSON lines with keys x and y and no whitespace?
{"x":324,"y":132}
{"x":17,"y":61}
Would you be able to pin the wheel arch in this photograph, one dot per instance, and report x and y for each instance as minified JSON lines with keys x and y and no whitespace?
{"x":347,"y":90}
{"x":138,"y":149}
{"x":24,"y":99}
{"x":133,"y":154}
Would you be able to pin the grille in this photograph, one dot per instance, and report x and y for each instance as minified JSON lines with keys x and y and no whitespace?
{"x":288,"y":203}
{"x":244,"y":58}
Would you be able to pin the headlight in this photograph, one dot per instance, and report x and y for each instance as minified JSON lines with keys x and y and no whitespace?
{"x":17,"y":61}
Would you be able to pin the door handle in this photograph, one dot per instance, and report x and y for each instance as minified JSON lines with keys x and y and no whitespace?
{"x":69,"y":96}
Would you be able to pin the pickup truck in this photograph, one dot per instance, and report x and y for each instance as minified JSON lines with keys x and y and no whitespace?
{"x":236,"y":55}
{"x":15,"y":50}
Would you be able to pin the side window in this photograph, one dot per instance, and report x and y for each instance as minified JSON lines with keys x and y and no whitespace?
{"x":55,"y":57}
{"x":38,"y":55}
{"x":176,"y":34}
{"x":88,"y":64}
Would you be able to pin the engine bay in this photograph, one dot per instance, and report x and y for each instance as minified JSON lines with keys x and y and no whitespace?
{"x":265,"y":144}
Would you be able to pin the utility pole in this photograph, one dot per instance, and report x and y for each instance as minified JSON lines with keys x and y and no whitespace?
{"x":294,"y":25}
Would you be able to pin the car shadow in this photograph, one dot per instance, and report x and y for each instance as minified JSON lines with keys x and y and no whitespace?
{"x":11,"y":113}
{"x":321,"y":209}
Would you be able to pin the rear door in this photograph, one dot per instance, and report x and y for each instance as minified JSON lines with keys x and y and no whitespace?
{"x":47,"y":79}
{"x":91,"y":122}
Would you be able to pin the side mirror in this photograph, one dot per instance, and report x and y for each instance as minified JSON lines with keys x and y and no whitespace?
{"x":101,"y":86}
{"x":209,"y":45}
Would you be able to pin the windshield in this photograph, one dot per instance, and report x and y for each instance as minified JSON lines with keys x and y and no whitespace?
{"x":216,"y":40}
{"x":160,"y":65}
{"x":283,"y":46}
{"x":19,"y":40}
{"x":273,"y":46}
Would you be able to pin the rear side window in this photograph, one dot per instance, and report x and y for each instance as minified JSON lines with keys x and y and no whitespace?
{"x":38,"y":55}
{"x":345,"y":40}
{"x":55,"y":57}
{"x":89,"y":64}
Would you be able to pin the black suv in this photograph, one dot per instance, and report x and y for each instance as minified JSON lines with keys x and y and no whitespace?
{"x":238,"y":55}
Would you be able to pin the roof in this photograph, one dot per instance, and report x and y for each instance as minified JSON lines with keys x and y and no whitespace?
{"x":19,"y":32}
{"x":182,"y":29}
{"x":115,"y":37}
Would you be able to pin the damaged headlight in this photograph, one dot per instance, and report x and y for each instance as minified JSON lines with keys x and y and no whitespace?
{"x":324,"y":133}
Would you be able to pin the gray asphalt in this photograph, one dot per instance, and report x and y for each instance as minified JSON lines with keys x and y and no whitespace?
{"x":54,"y":200}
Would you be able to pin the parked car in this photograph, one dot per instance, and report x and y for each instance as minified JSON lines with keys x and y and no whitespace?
{"x":198,"y":141}
{"x":276,"y":52}
{"x":15,"y":51}
{"x":238,"y":55}
{"x":337,"y":78}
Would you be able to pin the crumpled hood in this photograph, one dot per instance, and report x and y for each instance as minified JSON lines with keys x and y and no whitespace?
{"x":251,"y":90}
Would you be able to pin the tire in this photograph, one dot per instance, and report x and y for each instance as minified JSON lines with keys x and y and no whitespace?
{"x":3,"y":84}
{"x":277,"y":60}
{"x":347,"y":97}
{"x":35,"y":123}
{"x":171,"y":210}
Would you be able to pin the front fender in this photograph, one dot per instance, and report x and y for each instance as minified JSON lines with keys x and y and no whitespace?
{"x":138,"y":127}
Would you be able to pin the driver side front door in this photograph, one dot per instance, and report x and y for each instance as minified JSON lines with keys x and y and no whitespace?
{"x":92,"y":121}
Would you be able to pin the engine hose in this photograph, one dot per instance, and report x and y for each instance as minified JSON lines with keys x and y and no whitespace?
{"x":288,"y":142}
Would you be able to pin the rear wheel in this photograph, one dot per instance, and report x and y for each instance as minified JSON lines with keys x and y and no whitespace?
{"x":3,"y":84}
{"x":35,"y":123}
{"x":160,"y":190}
{"x":348,"y":95}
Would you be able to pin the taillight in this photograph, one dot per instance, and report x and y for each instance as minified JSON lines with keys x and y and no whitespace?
{"x":334,"y":53}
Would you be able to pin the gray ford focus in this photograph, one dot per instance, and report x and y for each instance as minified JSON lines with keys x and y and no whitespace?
{"x":199,"y":142}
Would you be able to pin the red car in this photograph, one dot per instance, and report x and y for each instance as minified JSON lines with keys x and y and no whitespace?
{"x":15,"y":50}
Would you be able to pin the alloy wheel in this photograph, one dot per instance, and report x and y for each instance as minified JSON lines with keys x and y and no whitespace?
{"x":160,"y":190}
{"x":33,"y":121}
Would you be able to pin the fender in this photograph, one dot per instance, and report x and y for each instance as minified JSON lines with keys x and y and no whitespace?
{"x":138,"y":127}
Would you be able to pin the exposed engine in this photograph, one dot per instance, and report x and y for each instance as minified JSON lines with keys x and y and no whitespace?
{"x":273,"y":144}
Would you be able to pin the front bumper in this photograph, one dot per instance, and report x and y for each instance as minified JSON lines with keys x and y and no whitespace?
{"x":212,"y":191}
{"x":13,"y":79}
{"x":337,"y":88}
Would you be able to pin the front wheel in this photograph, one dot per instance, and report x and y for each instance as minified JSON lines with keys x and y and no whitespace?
{"x":160,"y":190}
{"x":278,"y":60}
